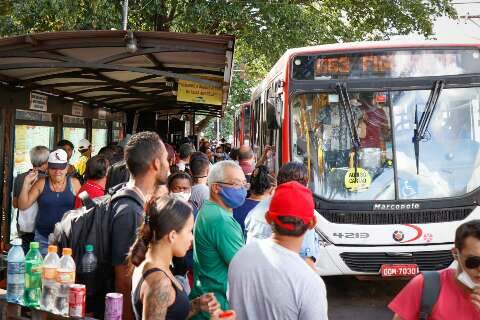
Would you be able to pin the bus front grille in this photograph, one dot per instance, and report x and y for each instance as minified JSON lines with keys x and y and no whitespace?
{"x":396,"y":217}
{"x":372,"y":261}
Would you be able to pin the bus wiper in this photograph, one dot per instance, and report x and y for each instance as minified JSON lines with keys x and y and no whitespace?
{"x":342,"y":91}
{"x":422,"y":125}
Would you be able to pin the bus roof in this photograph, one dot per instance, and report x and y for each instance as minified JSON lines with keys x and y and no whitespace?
{"x":280,"y":65}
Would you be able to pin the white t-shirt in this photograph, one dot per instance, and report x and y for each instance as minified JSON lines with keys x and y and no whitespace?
{"x":269,"y":282}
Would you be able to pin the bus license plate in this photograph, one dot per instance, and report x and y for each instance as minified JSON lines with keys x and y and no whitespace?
{"x":399,"y":270}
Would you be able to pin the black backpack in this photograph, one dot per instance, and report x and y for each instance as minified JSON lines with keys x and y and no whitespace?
{"x":431,"y":290}
{"x":92,"y":224}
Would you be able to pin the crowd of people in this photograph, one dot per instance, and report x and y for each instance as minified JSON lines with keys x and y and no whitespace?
{"x":209,"y":231}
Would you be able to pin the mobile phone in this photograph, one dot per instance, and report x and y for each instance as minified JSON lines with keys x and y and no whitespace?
{"x":464,"y":278}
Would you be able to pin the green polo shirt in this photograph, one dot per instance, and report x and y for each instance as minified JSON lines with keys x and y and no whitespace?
{"x":217,"y":238}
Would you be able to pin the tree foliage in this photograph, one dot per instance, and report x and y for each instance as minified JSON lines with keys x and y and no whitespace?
{"x":264,"y":29}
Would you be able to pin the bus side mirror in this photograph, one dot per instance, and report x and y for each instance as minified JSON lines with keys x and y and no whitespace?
{"x":273,"y":116}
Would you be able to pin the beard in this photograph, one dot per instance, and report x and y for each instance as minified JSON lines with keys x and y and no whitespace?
{"x":162,"y":177}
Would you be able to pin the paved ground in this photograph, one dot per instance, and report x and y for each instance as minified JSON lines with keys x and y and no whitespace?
{"x":350,"y":298}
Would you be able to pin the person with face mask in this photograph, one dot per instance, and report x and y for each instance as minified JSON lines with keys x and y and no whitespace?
{"x":180,"y":186}
{"x":217,"y":235}
{"x":459,"y":295}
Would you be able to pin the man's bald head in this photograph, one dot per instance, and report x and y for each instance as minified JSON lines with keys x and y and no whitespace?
{"x":245,"y":153}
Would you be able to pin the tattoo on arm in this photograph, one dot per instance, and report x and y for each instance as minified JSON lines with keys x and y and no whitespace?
{"x":157,"y":300}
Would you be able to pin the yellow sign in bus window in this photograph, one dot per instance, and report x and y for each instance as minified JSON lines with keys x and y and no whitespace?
{"x":361,"y":180}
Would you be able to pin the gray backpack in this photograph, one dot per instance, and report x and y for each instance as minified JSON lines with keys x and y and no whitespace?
{"x":431,"y":290}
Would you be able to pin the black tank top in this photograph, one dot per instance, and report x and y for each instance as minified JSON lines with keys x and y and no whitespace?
{"x":180,"y":308}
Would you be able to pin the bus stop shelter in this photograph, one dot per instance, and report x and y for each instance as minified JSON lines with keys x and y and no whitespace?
{"x":105,"y":78}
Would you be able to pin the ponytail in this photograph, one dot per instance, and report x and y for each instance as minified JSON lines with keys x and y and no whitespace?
{"x":162,"y":216}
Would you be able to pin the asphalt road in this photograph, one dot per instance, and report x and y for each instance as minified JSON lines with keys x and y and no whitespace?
{"x":350,"y":298}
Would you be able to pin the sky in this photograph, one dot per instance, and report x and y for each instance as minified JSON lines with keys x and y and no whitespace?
{"x":462,"y":29}
{"x":455,"y":30}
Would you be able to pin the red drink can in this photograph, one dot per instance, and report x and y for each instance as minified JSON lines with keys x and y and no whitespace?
{"x":113,"y":306}
{"x":76,"y":300}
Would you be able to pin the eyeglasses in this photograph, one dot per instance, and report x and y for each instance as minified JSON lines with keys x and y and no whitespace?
{"x":245,"y":185}
{"x":472,"y":262}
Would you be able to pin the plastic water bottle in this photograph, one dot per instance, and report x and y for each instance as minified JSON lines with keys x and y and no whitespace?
{"x":49,"y":279}
{"x":86,"y":274}
{"x":15,"y":272}
{"x":33,"y":276}
{"x":65,"y":278}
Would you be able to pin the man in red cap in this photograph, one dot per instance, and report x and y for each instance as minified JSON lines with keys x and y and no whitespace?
{"x":267,"y":278}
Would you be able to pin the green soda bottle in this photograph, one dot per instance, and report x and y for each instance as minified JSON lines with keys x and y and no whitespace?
{"x":33,"y":276}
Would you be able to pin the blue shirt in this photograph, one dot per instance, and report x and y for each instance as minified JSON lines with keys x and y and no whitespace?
{"x":241,"y":212}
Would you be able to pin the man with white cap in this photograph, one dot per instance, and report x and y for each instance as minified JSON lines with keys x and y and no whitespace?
{"x":54,"y":194}
{"x":85,"y":148}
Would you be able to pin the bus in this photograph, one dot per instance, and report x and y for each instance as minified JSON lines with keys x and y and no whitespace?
{"x":242,"y":125}
{"x":390,"y":135}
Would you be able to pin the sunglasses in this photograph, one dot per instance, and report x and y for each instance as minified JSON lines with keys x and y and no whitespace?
{"x":472,"y":262}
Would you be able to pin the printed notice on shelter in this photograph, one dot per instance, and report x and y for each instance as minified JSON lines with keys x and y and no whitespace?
{"x":190,"y":91}
{"x":38,"y":101}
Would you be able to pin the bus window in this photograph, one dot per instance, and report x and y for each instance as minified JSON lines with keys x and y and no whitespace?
{"x":449,"y":155}
{"x":323,"y":142}
{"x":247,"y":125}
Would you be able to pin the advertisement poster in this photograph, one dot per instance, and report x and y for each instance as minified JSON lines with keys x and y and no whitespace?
{"x":23,"y":143}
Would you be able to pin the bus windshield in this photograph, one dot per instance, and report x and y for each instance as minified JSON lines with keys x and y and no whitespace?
{"x":386,"y":169}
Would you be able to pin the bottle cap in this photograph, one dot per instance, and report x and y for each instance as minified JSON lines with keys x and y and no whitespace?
{"x":34,"y":245}
{"x":67,"y":251}
{"x":226,"y":314}
{"x":89,"y":248}
{"x":52,"y":249}
{"x":16,"y":242}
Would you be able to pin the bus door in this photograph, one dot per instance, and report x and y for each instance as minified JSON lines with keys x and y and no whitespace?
{"x":29,"y":124}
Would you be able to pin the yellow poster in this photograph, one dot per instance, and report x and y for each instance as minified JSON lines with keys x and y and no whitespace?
{"x":357,"y":179}
{"x":190,"y":91}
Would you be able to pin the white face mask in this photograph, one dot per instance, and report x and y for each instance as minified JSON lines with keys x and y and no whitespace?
{"x":464,"y":278}
{"x":185,"y":195}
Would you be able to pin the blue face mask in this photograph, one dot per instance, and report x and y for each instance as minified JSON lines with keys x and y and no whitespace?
{"x":233,"y":197}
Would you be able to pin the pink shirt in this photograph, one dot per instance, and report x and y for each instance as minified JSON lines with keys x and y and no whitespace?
{"x":453,"y":302}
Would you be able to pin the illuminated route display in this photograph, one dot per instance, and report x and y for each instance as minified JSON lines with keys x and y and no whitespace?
{"x":386,"y":64}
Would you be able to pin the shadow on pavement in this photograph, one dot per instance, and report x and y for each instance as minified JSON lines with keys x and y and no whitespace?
{"x":350,"y":298}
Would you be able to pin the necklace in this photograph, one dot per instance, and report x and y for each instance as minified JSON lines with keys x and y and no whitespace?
{"x":57,"y":192}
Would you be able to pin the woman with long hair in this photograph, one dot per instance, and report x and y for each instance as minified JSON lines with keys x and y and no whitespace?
{"x":165,"y":233}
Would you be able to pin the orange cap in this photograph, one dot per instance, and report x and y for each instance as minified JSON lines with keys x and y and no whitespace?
{"x":67,"y":251}
{"x":52,"y":249}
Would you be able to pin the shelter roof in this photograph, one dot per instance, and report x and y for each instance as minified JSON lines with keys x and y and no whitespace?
{"x":122,"y":70}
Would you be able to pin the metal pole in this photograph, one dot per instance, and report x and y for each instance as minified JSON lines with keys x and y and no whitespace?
{"x":168,"y":129}
{"x":125,"y":14}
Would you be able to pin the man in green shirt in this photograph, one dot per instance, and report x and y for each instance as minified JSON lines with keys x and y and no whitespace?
{"x":217,"y":235}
